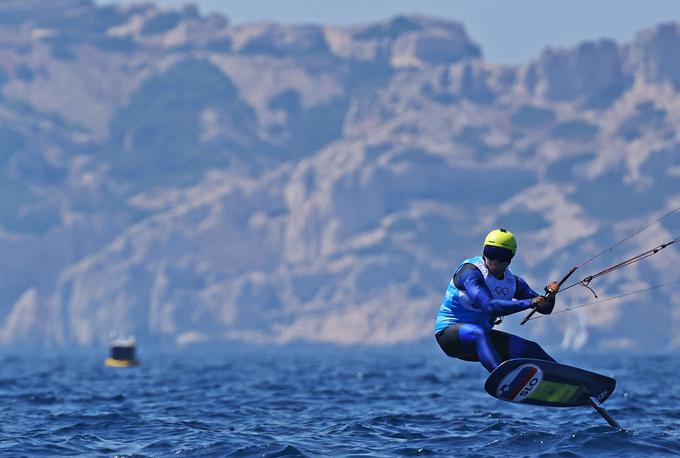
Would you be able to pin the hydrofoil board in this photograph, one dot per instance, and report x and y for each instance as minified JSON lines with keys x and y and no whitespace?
{"x":545,"y":383}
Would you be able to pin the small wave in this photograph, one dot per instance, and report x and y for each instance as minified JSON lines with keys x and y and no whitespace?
{"x":430,"y":378}
{"x":267,"y":451}
{"x":413,"y":451}
{"x":351,"y":427}
{"x":40,"y":398}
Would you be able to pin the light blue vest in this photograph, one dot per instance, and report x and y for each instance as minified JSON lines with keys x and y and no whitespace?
{"x":457,"y":307}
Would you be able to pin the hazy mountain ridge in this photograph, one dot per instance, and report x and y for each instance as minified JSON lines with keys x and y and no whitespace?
{"x":266,"y":182}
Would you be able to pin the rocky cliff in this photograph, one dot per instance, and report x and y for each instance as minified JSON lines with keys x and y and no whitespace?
{"x":177,"y":177}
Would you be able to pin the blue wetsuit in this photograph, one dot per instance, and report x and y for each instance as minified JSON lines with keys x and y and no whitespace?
{"x":471,"y":305}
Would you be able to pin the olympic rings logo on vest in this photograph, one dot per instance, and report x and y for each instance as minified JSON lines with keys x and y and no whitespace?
{"x":502,"y":291}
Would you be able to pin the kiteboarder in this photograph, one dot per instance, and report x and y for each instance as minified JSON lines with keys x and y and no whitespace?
{"x":481,"y":291}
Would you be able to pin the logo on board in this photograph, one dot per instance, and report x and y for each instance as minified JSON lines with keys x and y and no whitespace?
{"x":520,"y":383}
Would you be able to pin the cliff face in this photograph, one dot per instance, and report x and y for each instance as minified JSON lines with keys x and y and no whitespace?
{"x":173,"y":176}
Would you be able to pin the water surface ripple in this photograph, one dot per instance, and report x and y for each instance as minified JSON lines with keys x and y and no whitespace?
{"x":351,"y":402}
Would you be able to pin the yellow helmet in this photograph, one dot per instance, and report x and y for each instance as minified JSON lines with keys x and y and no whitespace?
{"x":501,"y":238}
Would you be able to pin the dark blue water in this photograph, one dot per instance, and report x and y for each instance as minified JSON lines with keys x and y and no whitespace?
{"x":354,"y":402}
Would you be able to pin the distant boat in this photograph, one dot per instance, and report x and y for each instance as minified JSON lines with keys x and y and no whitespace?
{"x":122,"y":353}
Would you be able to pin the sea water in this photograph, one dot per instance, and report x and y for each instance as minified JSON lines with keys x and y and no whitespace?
{"x":320,"y":402}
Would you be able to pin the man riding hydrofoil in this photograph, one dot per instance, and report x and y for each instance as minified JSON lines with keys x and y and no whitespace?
{"x":481,"y":290}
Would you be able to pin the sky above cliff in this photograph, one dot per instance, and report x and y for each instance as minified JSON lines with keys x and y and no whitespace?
{"x":508,"y":32}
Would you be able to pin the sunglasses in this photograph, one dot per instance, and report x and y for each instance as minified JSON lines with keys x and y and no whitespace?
{"x":498,"y":258}
{"x":497,"y":254}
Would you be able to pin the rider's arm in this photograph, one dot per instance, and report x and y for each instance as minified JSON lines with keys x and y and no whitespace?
{"x":472,"y":281}
{"x":524,"y":291}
